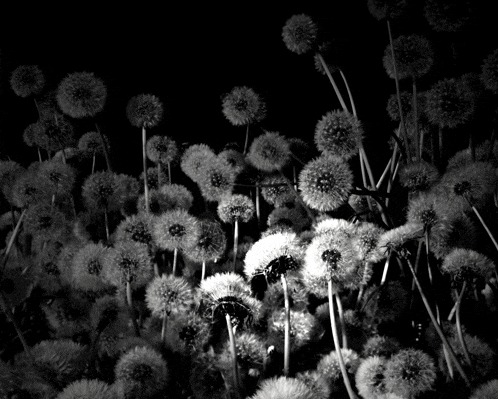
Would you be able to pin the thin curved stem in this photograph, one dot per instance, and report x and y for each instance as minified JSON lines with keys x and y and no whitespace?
{"x":131,"y":309}
{"x":332,"y":81}
{"x":104,"y":147}
{"x":340,"y":312}
{"x":233,"y":351}
{"x":337,"y":344}
{"x":235,"y":242}
{"x":144,"y":162}
{"x":287,"y":325}
{"x":459,"y":326}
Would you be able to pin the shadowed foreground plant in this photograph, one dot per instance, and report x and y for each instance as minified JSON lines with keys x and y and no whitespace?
{"x":141,"y":373}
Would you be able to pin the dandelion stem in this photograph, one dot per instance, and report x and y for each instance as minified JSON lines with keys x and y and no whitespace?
{"x":386,"y":268}
{"x":233,"y":351}
{"x":104,"y":147}
{"x":437,"y":326}
{"x":398,"y":95}
{"x":415,"y":119}
{"x":93,"y":162}
{"x":10,"y":316}
{"x":246,"y":142}
{"x":164,"y":327}
{"x":332,"y":81}
{"x":340,"y":312}
{"x":175,"y":259}
{"x":131,"y":309}
{"x":203,"y":272}
{"x":459,"y":326}
{"x":337,"y":344}
{"x":144,"y":162}
{"x":287,"y":325}
{"x":235,"y":242}
{"x":169,"y":172}
{"x":485,"y":226}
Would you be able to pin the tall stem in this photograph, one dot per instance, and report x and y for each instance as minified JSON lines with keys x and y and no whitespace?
{"x":437,"y":327}
{"x":144,"y":162}
{"x":246,"y":142}
{"x":131,"y":309}
{"x":175,"y":260}
{"x":203,"y":272}
{"x":164,"y":327}
{"x":459,"y":326}
{"x":104,"y":147}
{"x":287,"y":325}
{"x":233,"y":351}
{"x":485,"y":226}
{"x":332,"y":81}
{"x":235,"y":242}
{"x":398,"y":95}
{"x":12,"y":239}
{"x":340,"y":312}
{"x":415,"y":120}
{"x":337,"y":344}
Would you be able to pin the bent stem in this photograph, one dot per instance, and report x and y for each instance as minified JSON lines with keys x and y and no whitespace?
{"x":459,"y":326}
{"x":287,"y":325}
{"x":233,"y":351}
{"x":437,"y":327}
{"x":337,"y":344}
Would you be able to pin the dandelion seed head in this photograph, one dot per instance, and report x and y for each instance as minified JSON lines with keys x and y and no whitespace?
{"x":269,"y":152}
{"x":144,"y":110}
{"x":243,"y":106}
{"x":300,"y":34}
{"x":27,"y":80}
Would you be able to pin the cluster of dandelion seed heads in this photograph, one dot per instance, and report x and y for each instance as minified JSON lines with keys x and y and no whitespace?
{"x":81,"y":95}
{"x":42,"y":220}
{"x":234,"y":158}
{"x":328,"y":365}
{"x":144,"y":110}
{"x":236,"y":207}
{"x":272,"y":256}
{"x":467,"y":265}
{"x":300,"y":34}
{"x":388,"y":9}
{"x":382,"y":346}
{"x":86,"y":266}
{"x":325,"y":183}
{"x":274,"y":189}
{"x":90,"y":144}
{"x":211,"y":243}
{"x":269,"y":152}
{"x":409,"y":373}
{"x":175,"y":229}
{"x":243,"y":106}
{"x":27,"y":190}
{"x":88,"y":389}
{"x":177,"y":195}
{"x":27,"y":80}
{"x":449,"y":16}
{"x":413,"y":55}
{"x":168,"y":294}
{"x":338,"y":133}
{"x":59,"y":177}
{"x":161,"y":149}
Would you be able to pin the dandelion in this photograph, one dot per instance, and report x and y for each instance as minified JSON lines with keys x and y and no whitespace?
{"x":86,"y":267}
{"x":88,"y":389}
{"x":210,"y":245}
{"x":395,"y":240}
{"x":81,"y":95}
{"x":370,"y":377}
{"x":341,"y":227}
{"x":300,"y":34}
{"x":194,"y":158}
{"x":488,"y":390}
{"x":293,"y":218}
{"x":63,"y":360}
{"x":137,"y":228}
{"x":329,"y":366}
{"x":338,"y":133}
{"x":216,"y":179}
{"x":90,"y":145}
{"x":243,"y":106}
{"x":177,"y":195}
{"x":269,"y":152}
{"x":175,"y":230}
{"x":144,"y":111}
{"x":316,"y":382}
{"x":489,"y":72}
{"x":161,"y":149}
{"x":386,"y":303}
{"x":419,"y":176}
{"x":235,"y":159}
{"x":236,"y":208}
{"x":158,"y":203}
{"x":142,"y":372}
{"x":381,"y":346}
{"x":103,"y":191}
{"x":27,"y":80}
{"x":325,"y":183}
{"x":466,"y":265}
{"x":388,"y":9}
{"x":167,"y":295}
{"x":448,"y":104}
{"x":449,"y":15}
{"x":409,"y":373}
{"x":414,"y":57}
{"x":27,"y":189}
{"x":275,"y":190}
{"x":55,"y":135}
{"x":283,"y":388}
{"x":58,"y":177}
{"x":227,"y":295}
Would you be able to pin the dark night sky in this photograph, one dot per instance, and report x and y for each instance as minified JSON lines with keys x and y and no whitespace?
{"x":189,"y":60}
